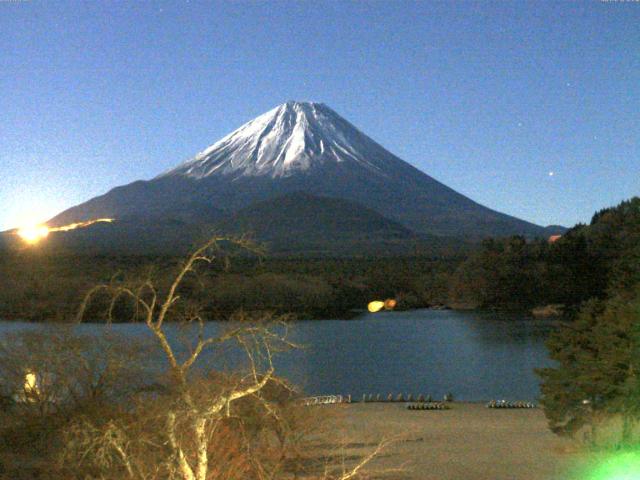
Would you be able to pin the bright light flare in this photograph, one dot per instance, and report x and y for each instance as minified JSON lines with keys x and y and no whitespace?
{"x":31,"y":383}
{"x":34,"y":234}
{"x":377,"y":305}
{"x":618,"y":466}
{"x":73,"y":226}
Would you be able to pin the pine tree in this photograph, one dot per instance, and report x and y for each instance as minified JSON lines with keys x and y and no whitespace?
{"x":598,"y":360}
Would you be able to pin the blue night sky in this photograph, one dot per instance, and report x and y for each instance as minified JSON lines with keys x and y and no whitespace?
{"x":488,"y":98}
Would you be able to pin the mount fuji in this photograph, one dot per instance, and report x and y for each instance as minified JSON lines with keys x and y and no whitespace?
{"x":300,"y":147}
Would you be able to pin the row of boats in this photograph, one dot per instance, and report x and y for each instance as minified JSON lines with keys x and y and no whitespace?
{"x":505,"y":404}
{"x":419,"y":403}
{"x":428,"y":406}
{"x":401,"y":398}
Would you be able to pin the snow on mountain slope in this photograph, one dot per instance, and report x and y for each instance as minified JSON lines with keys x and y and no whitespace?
{"x":291,"y":138}
{"x":301,"y":147}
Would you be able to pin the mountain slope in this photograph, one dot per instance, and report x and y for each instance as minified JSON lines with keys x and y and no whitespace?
{"x":300,"y":222}
{"x":304,"y":147}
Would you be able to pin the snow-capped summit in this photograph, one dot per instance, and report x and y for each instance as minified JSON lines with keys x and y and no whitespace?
{"x":299,"y":147}
{"x":293,"y":137}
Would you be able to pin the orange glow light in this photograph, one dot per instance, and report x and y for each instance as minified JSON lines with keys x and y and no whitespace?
{"x":33,"y":234}
{"x":375,"y":306}
{"x":73,"y":226}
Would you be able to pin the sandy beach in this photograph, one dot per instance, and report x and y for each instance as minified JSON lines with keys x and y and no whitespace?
{"x":467,"y":442}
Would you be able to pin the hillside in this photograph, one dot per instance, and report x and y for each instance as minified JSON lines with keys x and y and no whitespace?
{"x":303,"y":223}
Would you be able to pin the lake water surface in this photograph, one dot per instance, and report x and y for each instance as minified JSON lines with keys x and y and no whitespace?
{"x":475,"y":356}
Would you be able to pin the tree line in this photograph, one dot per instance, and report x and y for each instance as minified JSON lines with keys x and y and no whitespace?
{"x":40,"y":287}
{"x":588,"y":261}
{"x":500,"y":273}
{"x":594,"y":389}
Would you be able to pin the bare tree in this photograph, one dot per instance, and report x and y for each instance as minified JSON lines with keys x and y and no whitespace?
{"x":196,"y":409}
{"x":188,"y":423}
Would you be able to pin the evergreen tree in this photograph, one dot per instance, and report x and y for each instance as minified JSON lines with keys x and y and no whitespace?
{"x":598,"y":360}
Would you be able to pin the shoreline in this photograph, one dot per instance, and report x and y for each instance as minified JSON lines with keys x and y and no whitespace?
{"x":353,"y":314}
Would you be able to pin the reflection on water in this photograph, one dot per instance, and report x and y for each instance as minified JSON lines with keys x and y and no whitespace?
{"x":476,"y":356}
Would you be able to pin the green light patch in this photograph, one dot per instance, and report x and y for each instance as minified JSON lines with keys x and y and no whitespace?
{"x":617,"y":466}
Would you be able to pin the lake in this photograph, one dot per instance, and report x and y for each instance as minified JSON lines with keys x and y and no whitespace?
{"x":476,"y":356}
